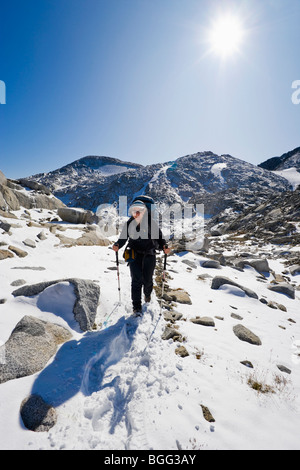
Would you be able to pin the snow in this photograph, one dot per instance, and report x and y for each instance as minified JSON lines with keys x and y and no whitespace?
{"x":159,"y":174}
{"x":108,"y":170}
{"x":217,"y":168}
{"x":291,"y":174}
{"x":122,"y":387}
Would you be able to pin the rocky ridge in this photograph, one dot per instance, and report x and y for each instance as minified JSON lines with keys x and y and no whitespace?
{"x":275,"y":220}
{"x":25,"y":193}
{"x":180,"y":181}
{"x":287,"y":160}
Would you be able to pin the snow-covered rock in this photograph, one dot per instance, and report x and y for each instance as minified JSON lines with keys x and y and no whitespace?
{"x":85,"y":302}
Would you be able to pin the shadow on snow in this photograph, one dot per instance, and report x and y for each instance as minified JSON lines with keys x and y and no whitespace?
{"x":80,"y":366}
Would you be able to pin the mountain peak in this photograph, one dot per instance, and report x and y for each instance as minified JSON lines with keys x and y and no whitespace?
{"x":92,"y":180}
{"x":287,"y":160}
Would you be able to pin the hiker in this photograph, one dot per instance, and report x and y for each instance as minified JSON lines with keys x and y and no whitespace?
{"x":144,"y":237}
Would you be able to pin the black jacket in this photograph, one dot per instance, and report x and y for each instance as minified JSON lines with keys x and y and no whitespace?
{"x":145,"y":237}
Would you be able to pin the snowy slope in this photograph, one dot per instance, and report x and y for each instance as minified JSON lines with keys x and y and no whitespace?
{"x":123,"y":387}
{"x":291,"y":174}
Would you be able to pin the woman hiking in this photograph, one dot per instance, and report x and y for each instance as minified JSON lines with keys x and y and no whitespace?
{"x":144,"y":237}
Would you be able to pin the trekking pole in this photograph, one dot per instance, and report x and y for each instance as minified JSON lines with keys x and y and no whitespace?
{"x":163,"y":281}
{"x":107,"y":318}
{"x":118,"y":274}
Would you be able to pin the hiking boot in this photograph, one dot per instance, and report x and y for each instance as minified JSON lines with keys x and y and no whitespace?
{"x":137,"y":311}
{"x":147,"y":298}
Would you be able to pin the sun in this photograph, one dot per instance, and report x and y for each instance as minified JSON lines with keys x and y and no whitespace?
{"x":226,"y":35}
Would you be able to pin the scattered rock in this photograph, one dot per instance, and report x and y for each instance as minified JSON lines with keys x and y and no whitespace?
{"x":30,"y":346}
{"x":247,"y":364}
{"x":20,"y":253}
{"x":190,"y":263}
{"x":272,"y":304}
{"x":207,"y":414}
{"x":205,"y":321}
{"x":203,"y":277}
{"x":172,"y":316}
{"x":18,"y":282}
{"x":246,"y":335}
{"x":294,"y":269}
{"x":278,"y":277}
{"x":261,"y":265}
{"x":6,"y":214}
{"x":211,"y":264}
{"x":29,"y":243}
{"x":236,"y":316}
{"x":181,"y":351}
{"x":37,"y":415}
{"x":284,"y":369}
{"x":4,"y":254}
{"x":171,"y":333}
{"x":276,"y":305}
{"x":283,"y":288}
{"x":5,"y":226}
{"x":41,"y":236}
{"x":219,"y":281}
{"x":178,"y":295}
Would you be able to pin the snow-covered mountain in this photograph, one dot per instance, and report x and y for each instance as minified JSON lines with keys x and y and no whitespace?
{"x":287,"y":160}
{"x":91,"y":181}
{"x":287,"y":166}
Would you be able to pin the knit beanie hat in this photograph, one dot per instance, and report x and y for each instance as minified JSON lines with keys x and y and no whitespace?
{"x":137,"y":206}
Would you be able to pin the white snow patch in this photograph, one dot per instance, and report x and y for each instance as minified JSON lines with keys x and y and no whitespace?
{"x":217,"y":168}
{"x":291,"y":174}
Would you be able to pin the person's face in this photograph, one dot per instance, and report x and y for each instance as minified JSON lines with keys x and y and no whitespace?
{"x":138,"y":214}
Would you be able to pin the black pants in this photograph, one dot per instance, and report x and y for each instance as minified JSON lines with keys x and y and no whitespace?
{"x":141,"y":270}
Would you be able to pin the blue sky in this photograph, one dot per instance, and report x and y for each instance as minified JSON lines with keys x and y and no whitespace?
{"x":135,"y":80}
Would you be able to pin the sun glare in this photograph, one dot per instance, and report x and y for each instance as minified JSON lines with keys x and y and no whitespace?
{"x":225,"y":36}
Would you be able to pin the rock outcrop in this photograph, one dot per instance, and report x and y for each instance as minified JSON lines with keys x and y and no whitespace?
{"x":15,"y":194}
{"x":30,"y":346}
{"x":75,"y":215}
{"x":87,"y":298}
{"x":273,"y":220}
